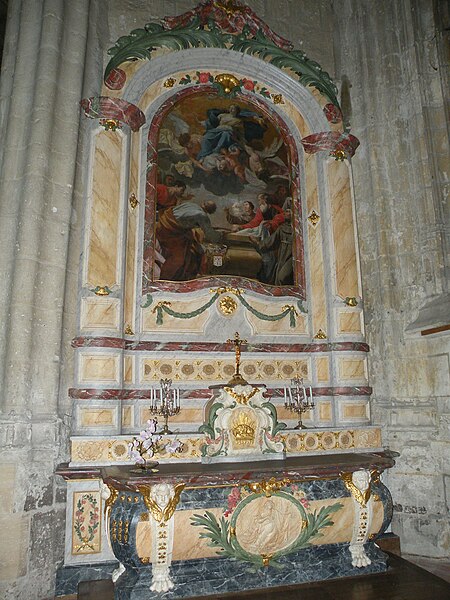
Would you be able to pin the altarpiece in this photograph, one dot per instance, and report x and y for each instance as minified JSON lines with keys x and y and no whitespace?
{"x":219,"y":199}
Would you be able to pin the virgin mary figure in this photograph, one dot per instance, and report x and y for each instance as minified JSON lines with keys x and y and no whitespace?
{"x":227,"y":127}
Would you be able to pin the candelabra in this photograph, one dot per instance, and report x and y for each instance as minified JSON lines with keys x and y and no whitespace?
{"x":296,"y":399}
{"x":165,"y":402}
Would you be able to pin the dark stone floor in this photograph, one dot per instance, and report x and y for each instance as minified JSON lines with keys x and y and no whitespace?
{"x":403,"y":581}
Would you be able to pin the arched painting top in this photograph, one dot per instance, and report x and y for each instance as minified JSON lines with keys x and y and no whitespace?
{"x":256,"y":202}
{"x":226,"y":24}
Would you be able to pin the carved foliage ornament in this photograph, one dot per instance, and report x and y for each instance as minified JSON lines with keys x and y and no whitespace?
{"x":215,"y":24}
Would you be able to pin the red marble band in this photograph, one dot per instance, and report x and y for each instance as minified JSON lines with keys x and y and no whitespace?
{"x":144,"y":394}
{"x":333,"y":141}
{"x":232,"y":20}
{"x":150,"y":346}
{"x":104,"y":107}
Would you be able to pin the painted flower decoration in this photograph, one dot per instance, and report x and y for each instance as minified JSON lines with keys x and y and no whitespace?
{"x":304,"y":502}
{"x":204,"y":77}
{"x":248,"y":84}
{"x":232,"y":501}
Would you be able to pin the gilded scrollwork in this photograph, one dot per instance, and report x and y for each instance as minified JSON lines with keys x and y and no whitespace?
{"x":241,"y":398}
{"x":227,"y":81}
{"x":268,"y":487}
{"x":111,"y":498}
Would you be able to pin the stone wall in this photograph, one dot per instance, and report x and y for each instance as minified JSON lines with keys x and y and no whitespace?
{"x":393,"y":56}
{"x":54,"y":54}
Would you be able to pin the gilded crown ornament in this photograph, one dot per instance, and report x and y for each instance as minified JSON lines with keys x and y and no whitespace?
{"x":320,"y":335}
{"x":244,"y":430}
{"x":110,"y":124}
{"x":101,"y":290}
{"x":313,"y":218}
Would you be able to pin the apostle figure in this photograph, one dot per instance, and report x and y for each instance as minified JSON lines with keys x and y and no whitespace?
{"x":270,"y":215}
{"x":180,"y":232}
{"x":278,"y":247}
{"x":169,"y":195}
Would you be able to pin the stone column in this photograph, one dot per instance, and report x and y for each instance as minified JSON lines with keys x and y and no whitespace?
{"x":40,"y":142}
{"x":42,"y":81}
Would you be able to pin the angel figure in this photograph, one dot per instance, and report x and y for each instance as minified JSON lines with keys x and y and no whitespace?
{"x":265,"y":164}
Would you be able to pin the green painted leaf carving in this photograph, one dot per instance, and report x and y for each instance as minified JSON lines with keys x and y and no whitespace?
{"x":142,"y":42}
{"x":220,"y":536}
{"x":277,"y":425}
{"x":308,"y":71}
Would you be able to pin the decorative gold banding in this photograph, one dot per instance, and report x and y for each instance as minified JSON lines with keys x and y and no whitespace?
{"x":296,"y":442}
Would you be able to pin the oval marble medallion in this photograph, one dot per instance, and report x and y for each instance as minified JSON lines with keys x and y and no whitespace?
{"x":268,"y":525}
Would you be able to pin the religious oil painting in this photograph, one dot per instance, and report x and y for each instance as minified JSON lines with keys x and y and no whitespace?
{"x":222,"y":194}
